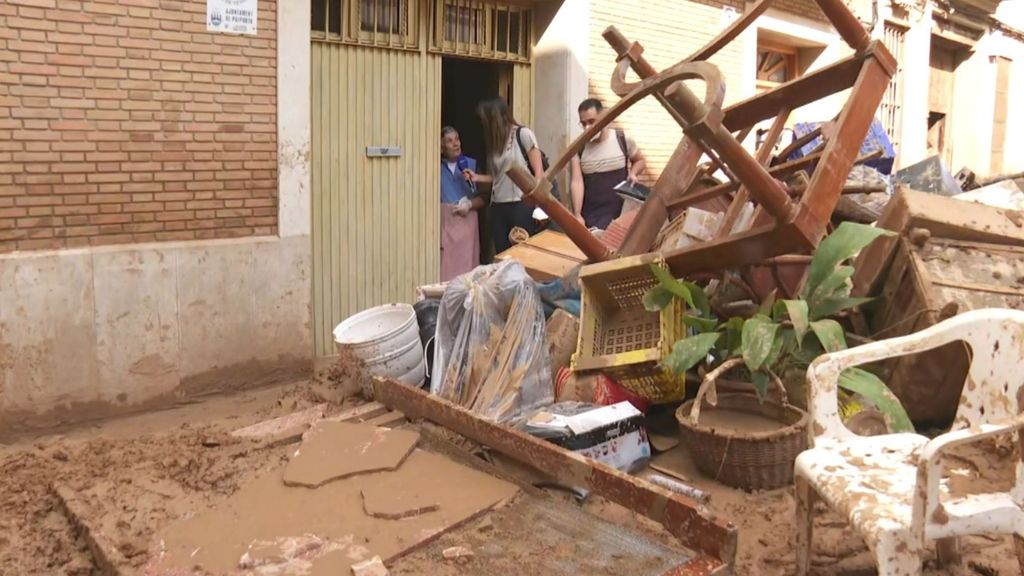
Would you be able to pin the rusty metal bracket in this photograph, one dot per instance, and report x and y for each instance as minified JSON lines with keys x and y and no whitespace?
{"x":696,"y":529}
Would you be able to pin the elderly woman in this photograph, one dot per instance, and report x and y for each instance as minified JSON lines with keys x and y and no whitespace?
{"x":460,"y":243}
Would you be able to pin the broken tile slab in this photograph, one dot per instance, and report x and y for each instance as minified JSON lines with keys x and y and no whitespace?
{"x":267,"y":510}
{"x":360,"y":413}
{"x":394,"y":502}
{"x":289,"y":424}
{"x":334,"y":450}
{"x":388,"y":420}
{"x":372,"y":567}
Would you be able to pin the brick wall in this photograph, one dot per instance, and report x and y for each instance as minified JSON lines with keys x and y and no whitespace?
{"x":669,"y":30}
{"x":126,"y":121}
{"x":805,"y":8}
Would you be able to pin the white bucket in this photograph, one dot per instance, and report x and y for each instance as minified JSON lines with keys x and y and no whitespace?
{"x":386,"y":338}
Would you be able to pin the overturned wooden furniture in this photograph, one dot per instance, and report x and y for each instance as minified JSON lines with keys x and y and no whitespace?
{"x":782,"y":224}
{"x":712,"y":541}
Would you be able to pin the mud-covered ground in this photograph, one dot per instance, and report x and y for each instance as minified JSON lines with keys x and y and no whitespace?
{"x":135,"y":475}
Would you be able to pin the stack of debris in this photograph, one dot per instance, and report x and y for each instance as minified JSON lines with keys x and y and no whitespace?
{"x":951,"y":255}
{"x":718,"y":278}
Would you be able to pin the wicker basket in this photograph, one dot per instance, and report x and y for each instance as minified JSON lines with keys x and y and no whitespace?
{"x":749,"y":461}
{"x":621,"y":338}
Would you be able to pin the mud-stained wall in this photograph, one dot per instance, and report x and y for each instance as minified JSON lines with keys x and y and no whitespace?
{"x":95,"y":332}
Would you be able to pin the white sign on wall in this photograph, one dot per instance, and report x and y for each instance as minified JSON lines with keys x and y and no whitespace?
{"x":234,"y":16}
{"x":729,"y":15}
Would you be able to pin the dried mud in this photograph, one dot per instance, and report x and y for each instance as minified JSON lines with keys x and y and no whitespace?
{"x":135,"y":474}
{"x":134,"y":477}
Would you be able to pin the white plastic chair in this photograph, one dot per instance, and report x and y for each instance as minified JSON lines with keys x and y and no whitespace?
{"x":889,"y":486}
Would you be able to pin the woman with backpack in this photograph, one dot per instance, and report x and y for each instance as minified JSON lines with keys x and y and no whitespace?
{"x":508,"y":143}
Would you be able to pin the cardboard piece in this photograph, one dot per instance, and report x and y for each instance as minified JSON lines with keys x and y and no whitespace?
{"x":676,"y":463}
{"x":395,"y":500}
{"x":942,"y":217}
{"x":562,"y":332}
{"x":333,"y":450}
{"x":267,"y":511}
{"x":546,"y":256}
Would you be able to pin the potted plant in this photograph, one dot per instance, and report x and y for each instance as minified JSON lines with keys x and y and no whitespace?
{"x":784,"y":335}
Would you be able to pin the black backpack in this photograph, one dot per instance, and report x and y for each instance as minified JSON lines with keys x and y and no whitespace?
{"x":620,"y":137}
{"x":543,"y":159}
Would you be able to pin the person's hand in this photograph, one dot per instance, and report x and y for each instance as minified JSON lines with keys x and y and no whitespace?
{"x":469,"y":175}
{"x":580,"y":219}
{"x":464,"y":206}
{"x":631,"y":178}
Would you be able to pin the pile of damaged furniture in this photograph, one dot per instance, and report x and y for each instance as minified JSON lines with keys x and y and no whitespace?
{"x":706,"y":333}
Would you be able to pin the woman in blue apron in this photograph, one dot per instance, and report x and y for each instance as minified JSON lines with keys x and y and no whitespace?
{"x":460,"y":242}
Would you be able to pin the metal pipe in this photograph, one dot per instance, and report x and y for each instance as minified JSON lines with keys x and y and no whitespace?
{"x":680,"y":488}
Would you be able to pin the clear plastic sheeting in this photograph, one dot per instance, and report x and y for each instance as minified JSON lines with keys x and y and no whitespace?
{"x":490,"y":351}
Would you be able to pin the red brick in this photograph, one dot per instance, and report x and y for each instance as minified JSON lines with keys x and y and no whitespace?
{"x":104,"y":51}
{"x":69,"y":60}
{"x":34,"y":3}
{"x":67,"y":16}
{"x":31,"y":23}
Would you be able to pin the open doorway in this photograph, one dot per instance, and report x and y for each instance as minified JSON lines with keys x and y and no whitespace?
{"x":944,"y":59}
{"x":464,"y":84}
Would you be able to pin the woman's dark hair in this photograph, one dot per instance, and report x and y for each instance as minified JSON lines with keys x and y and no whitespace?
{"x":497,"y":122}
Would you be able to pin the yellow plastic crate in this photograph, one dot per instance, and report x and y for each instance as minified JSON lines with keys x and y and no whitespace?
{"x":621,"y":338}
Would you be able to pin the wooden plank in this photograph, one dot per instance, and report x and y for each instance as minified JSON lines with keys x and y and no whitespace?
{"x":683,"y":517}
{"x":289,"y":423}
{"x":541,"y":265}
{"x":359,"y":413}
{"x":387,"y":420}
{"x":105,"y":554}
{"x":557,"y":243}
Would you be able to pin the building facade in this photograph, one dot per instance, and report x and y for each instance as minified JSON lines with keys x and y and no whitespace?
{"x":184,"y":210}
{"x":960,"y":67}
{"x":154,"y":210}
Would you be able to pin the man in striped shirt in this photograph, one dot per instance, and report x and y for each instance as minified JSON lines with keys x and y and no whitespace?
{"x":604,"y":162}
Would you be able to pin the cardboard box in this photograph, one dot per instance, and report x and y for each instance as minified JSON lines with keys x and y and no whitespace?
{"x":614,"y":435}
{"x":546,"y":256}
{"x":562,"y":332}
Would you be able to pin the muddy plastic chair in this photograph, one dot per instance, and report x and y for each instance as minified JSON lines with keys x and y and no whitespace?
{"x":889,"y":486}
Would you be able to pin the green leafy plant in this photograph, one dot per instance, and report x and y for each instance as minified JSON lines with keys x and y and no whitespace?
{"x":783,"y":334}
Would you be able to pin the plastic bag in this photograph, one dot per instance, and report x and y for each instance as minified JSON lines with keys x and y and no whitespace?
{"x":490,"y":352}
{"x":561,"y":293}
